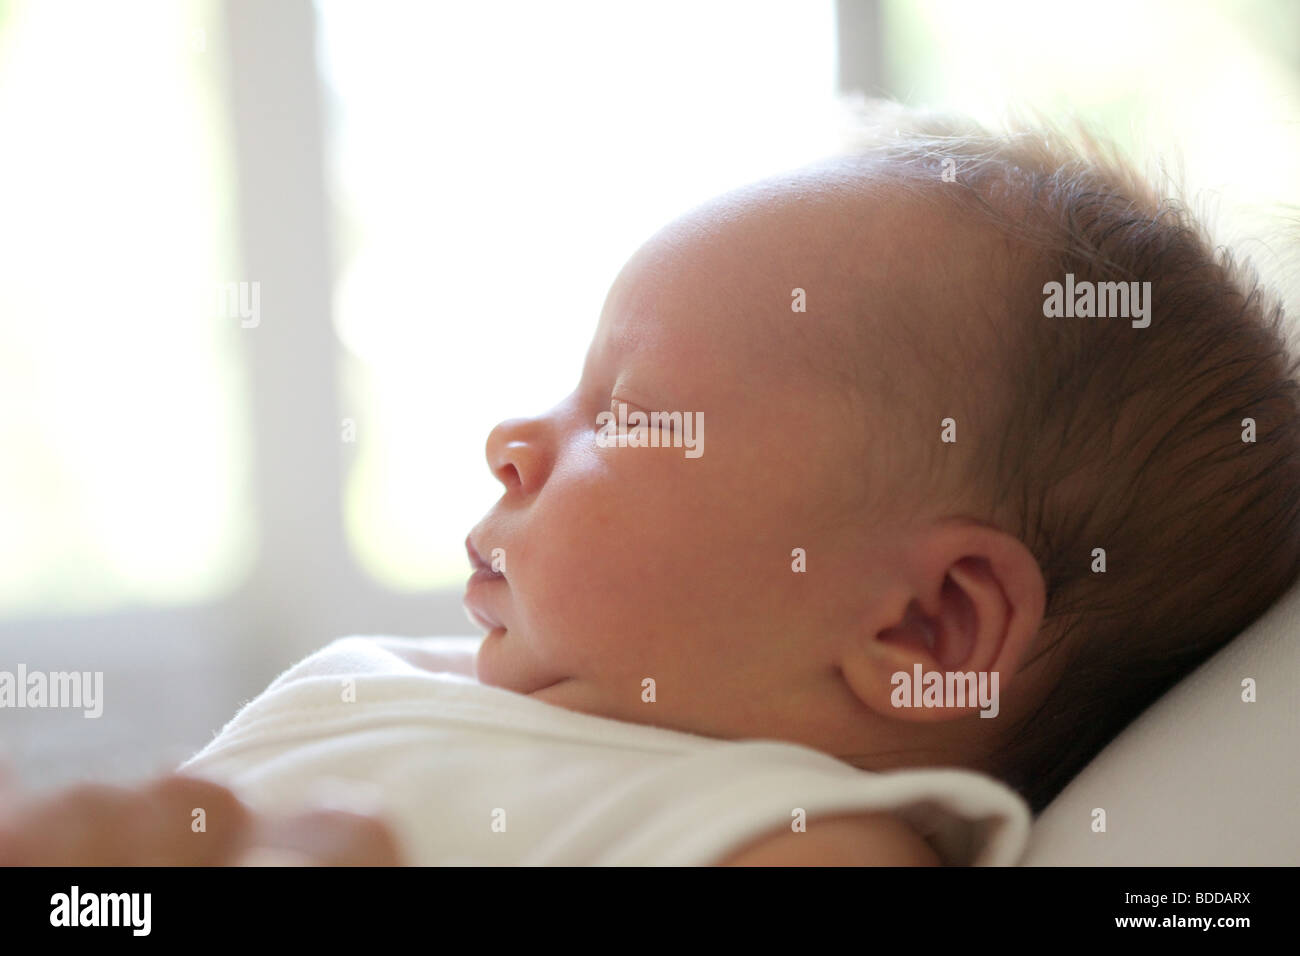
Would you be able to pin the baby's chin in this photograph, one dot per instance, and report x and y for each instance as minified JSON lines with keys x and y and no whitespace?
{"x":502,"y":662}
{"x":582,"y":697}
{"x":562,"y":693}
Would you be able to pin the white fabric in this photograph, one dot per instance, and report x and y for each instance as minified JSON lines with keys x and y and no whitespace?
{"x":1202,"y":778}
{"x":446,"y":756}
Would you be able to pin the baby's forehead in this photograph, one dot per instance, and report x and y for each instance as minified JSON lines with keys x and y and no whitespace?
{"x":823,"y":259}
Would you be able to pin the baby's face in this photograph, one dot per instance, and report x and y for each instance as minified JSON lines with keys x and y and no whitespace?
{"x":629,"y":565}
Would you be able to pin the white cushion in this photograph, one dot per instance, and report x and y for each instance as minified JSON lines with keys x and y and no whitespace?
{"x":1200,"y":778}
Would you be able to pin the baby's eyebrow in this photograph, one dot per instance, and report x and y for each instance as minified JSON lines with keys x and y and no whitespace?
{"x":603,"y":354}
{"x":630,"y":394}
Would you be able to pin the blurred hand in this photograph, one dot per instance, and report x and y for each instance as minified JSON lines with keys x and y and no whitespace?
{"x":180,"y":821}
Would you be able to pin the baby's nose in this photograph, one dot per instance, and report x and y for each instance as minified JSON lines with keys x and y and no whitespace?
{"x":516,"y":454}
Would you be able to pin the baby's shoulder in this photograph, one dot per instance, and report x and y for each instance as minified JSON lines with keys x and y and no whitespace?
{"x":865,"y":839}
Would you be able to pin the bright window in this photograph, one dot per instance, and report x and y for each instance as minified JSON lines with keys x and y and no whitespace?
{"x":120,"y":419}
{"x":1211,"y":85}
{"x":494,"y":166}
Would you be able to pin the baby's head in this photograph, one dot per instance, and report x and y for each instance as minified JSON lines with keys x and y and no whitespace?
{"x":889,"y":457}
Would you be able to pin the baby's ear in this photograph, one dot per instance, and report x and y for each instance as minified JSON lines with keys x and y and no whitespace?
{"x":968,"y":599}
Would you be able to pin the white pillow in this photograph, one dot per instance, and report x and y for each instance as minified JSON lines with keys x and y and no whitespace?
{"x":1200,"y":778}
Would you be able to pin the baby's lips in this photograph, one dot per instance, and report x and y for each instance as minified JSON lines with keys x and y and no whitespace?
{"x":476,"y":560}
{"x":479,"y":616}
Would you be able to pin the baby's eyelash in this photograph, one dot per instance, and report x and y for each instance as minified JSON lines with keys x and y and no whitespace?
{"x":665,"y":422}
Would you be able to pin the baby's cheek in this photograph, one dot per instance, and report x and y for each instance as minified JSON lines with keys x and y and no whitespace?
{"x":607,"y":591}
{"x":573,"y":579}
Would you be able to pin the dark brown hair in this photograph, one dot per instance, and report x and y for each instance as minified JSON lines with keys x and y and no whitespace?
{"x":1115,"y":437}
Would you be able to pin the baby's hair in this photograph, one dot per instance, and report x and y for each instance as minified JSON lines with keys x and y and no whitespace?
{"x":1112,"y":436}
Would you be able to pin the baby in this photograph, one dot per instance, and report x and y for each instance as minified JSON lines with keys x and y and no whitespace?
{"x":977,"y":406}
{"x":916,"y":457}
